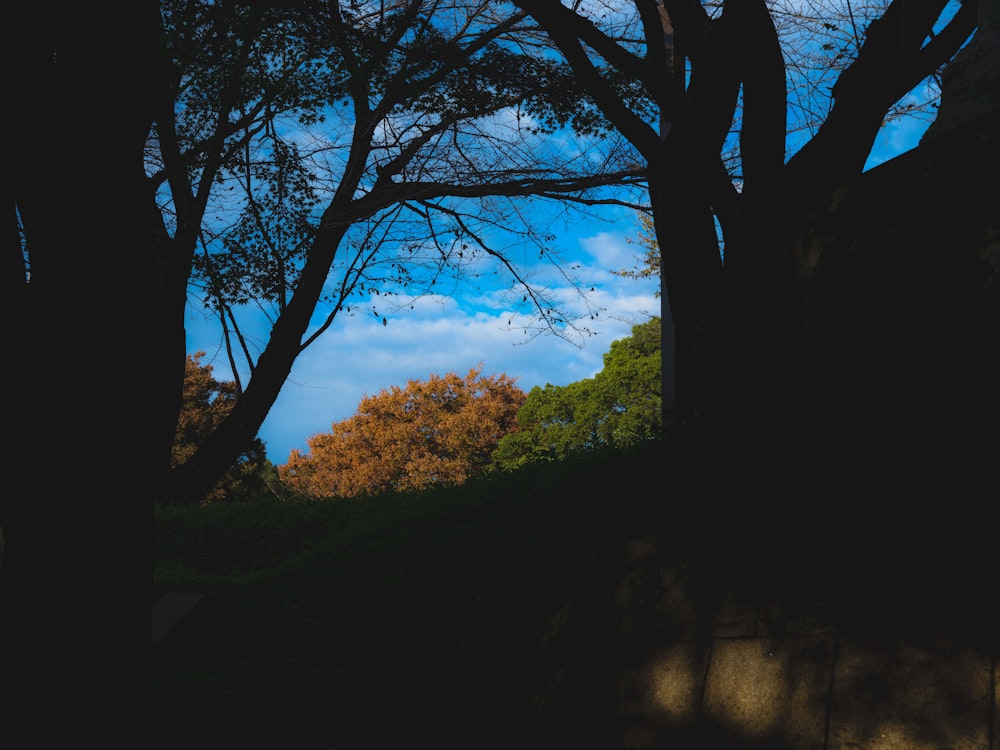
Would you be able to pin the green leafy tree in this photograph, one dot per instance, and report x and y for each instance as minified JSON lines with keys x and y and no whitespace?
{"x":620,"y":406}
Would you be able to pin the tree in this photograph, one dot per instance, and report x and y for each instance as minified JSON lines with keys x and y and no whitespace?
{"x":436,"y":432}
{"x":206,"y":403}
{"x":77,"y":532}
{"x":314,"y":161}
{"x":153,"y":140}
{"x":753,"y":129}
{"x":620,"y":406}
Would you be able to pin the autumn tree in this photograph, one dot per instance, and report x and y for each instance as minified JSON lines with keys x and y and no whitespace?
{"x":435,"y":432}
{"x":619,"y":407}
{"x":206,"y":402}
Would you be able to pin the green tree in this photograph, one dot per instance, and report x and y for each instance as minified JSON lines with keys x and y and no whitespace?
{"x":620,"y":406}
{"x":435,"y":432}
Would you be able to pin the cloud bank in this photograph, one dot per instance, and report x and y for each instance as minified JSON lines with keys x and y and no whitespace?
{"x":360,"y":356}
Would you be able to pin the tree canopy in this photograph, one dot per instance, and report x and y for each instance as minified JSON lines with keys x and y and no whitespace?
{"x":619,"y":407}
{"x":435,"y":432}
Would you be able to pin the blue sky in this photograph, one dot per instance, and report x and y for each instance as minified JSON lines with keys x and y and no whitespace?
{"x":464,"y":328}
{"x":359,"y":356}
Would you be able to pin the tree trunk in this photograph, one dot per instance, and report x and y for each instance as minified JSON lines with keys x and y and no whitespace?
{"x":77,"y":518}
{"x":749,"y":335}
{"x":191,"y":481}
{"x":971,"y":83}
{"x":719,"y":304}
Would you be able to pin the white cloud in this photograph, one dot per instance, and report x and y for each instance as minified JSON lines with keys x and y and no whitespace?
{"x":360,"y":356}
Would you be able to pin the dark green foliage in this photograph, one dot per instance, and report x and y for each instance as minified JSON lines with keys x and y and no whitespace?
{"x":220,"y":544}
{"x":453,"y":605}
{"x":324,"y":613}
{"x":230,"y":540}
{"x":619,"y":407}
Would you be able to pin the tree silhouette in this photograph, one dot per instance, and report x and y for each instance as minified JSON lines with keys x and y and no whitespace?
{"x":309,"y":161}
{"x":757,"y":121}
{"x":104,"y":223}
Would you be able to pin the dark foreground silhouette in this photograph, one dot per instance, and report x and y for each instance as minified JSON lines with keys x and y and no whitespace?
{"x":814,"y":590}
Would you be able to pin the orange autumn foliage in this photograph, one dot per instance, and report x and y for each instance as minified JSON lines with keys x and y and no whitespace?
{"x":440,"y":431}
{"x":206,"y":402}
